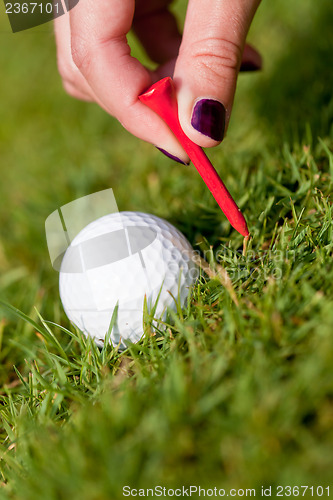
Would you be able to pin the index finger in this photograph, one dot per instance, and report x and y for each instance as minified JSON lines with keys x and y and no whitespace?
{"x":102,"y":54}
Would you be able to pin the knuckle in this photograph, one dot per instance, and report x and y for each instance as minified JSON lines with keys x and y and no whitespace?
{"x":65,"y":70}
{"x":218,"y":55}
{"x":70,"y":77}
{"x":81,"y":54}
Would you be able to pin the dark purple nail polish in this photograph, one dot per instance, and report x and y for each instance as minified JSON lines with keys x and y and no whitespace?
{"x":172,"y":157}
{"x":208,"y":117}
{"x":250,"y":66}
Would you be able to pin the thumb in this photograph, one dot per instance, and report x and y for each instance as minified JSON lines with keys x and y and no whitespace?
{"x":208,"y":64}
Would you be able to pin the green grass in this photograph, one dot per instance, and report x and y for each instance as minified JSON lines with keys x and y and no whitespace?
{"x":238,"y":392}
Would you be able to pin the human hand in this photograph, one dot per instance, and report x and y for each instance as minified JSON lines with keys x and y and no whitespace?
{"x":95,"y":62}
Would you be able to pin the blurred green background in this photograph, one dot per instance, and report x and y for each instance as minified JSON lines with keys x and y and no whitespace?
{"x":264,"y":370}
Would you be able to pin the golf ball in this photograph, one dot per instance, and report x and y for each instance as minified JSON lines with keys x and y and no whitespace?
{"x":120,"y":259}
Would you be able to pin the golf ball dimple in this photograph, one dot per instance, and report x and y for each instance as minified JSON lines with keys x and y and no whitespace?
{"x":122,"y":258}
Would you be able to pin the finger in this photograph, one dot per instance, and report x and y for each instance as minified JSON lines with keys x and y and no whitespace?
{"x":208,"y":65}
{"x":251,"y":59}
{"x":101,"y":52}
{"x":157,"y":30}
{"x":73,"y":81}
{"x":73,"y":91}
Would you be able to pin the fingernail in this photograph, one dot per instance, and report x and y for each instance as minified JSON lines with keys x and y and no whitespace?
{"x":208,"y":118}
{"x":172,"y":157}
{"x":250,"y":66}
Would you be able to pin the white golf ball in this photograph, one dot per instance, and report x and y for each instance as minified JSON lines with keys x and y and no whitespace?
{"x":122,"y":258}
